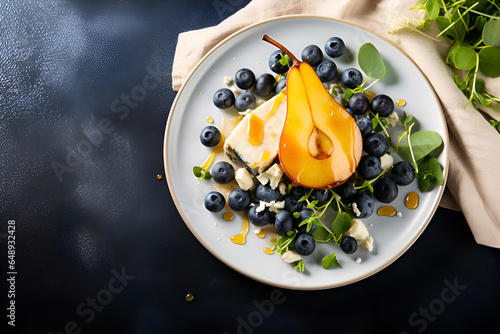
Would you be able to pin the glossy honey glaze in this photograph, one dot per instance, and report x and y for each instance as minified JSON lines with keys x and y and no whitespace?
{"x":386,"y":210}
{"x":256,"y":124}
{"x":411,"y":200}
{"x":400,"y":102}
{"x":241,"y":238}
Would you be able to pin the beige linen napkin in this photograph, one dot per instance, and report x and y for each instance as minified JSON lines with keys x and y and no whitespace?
{"x":473,"y":181}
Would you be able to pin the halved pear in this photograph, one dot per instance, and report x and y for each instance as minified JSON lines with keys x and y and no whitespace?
{"x":320,"y":145}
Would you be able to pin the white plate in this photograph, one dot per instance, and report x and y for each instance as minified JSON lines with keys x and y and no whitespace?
{"x":182,"y":150}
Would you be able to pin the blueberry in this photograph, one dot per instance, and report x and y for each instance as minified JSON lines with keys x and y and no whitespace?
{"x":382,"y":105}
{"x":264,"y":85}
{"x":346,"y":191}
{"x":326,"y":70}
{"x":222,"y":172}
{"x":322,"y":195}
{"x":239,"y":199}
{"x":365,"y":125}
{"x":358,"y":103}
{"x":274,"y":62}
{"x":297,"y":192}
{"x":260,"y":218}
{"x":312,"y":54}
{"x":334,"y":47}
{"x":369,"y":167}
{"x":385,"y":190}
{"x":376,"y":144}
{"x":304,"y":244}
{"x":210,"y":136}
{"x":348,"y":244}
{"x":292,"y":205}
{"x":223,"y":98}
{"x":284,"y":222}
{"x":214,"y":201}
{"x":266,"y":193}
{"x":280,"y":85}
{"x":244,"y":78}
{"x":245,"y":101}
{"x":365,"y":204}
{"x":351,"y":78}
{"x":403,"y":173}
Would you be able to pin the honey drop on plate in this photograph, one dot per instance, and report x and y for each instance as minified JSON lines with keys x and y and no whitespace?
{"x":189,"y":297}
{"x":386,"y":210}
{"x":400,"y":102}
{"x":411,"y":200}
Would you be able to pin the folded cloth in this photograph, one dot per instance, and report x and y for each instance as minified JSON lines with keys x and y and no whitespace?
{"x":473,"y":185}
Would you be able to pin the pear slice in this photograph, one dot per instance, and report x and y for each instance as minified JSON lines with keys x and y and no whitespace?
{"x":320,"y":144}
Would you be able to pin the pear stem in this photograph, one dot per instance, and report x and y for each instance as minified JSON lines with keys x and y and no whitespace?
{"x":282,"y":48}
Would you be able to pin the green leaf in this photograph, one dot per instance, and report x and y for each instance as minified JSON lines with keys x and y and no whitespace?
{"x":423,"y":142}
{"x":451,"y":54}
{"x":489,"y":61}
{"x":432,"y":7}
{"x":370,"y":61}
{"x":341,"y":223}
{"x":456,"y":32}
{"x":322,"y":235}
{"x":480,"y":22}
{"x":299,"y":265}
{"x":491,"y":32}
{"x":197,"y":171}
{"x":330,"y":260}
{"x":495,"y":124}
{"x":464,"y":57}
{"x":423,"y":183}
{"x":201,"y":173}
{"x":436,"y":171}
{"x":480,"y":85}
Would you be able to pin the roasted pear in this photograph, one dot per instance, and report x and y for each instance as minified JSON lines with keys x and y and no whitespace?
{"x":320,"y":145}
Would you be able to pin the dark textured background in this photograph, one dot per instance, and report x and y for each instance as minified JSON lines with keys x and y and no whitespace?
{"x":68,"y":66}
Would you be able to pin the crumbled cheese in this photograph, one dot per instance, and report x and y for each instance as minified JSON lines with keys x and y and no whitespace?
{"x":276,"y":206}
{"x":393,"y":119}
{"x":291,"y":256}
{"x":228,"y":81}
{"x":368,"y":244}
{"x":244,"y":179}
{"x":386,"y":162}
{"x":261,"y":207}
{"x":358,"y":260}
{"x":399,"y":214}
{"x":358,"y":230}
{"x":356,"y":210}
{"x":235,"y":91}
{"x":282,"y":188}
{"x":272,"y":175}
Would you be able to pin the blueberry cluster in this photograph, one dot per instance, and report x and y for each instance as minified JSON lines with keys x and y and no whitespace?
{"x":263,"y":86}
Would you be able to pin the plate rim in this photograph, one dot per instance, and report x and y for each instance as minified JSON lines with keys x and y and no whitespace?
{"x":391,"y":260}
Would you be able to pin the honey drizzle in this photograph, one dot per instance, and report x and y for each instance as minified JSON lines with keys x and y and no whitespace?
{"x":262,"y":234}
{"x":228,"y":216}
{"x":217,"y":149}
{"x":386,"y":210}
{"x":256,"y":124}
{"x":210,"y":119}
{"x":400,"y":102}
{"x":268,"y":250}
{"x":266,"y":154}
{"x":241,"y":238}
{"x":411,"y":200}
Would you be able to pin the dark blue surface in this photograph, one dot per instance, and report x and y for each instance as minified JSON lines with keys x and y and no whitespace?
{"x":87,"y":85}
